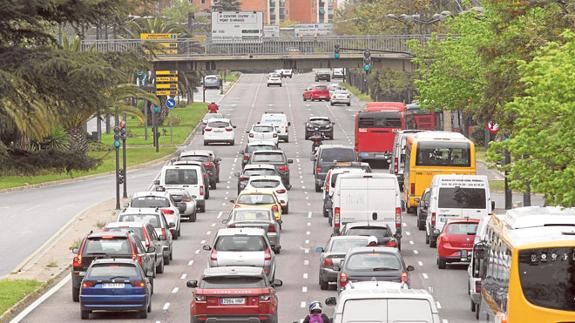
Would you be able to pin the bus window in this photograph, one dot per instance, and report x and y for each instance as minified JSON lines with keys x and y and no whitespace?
{"x":443,"y":154}
{"x":391,"y":119}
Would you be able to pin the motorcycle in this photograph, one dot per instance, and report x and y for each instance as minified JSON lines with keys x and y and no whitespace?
{"x":316,"y":138}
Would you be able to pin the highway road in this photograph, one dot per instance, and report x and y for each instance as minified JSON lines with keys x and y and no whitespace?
{"x":304,"y":227}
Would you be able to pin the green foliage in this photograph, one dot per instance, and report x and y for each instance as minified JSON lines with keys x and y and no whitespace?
{"x":388,"y":84}
{"x":226,"y":5}
{"x":178,"y":12}
{"x":12,"y":291}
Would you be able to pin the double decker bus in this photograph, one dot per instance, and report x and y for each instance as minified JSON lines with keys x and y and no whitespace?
{"x":375,"y":128}
{"x":527,"y":266}
{"x":417,"y":118}
{"x":431,"y":153}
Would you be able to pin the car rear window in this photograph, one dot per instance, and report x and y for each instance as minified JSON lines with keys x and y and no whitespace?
{"x":265,"y":183}
{"x":113,"y":271}
{"x":253,"y":148}
{"x":320,"y":122}
{"x":462,"y":228}
{"x":337,"y":154}
{"x":255,"y":199}
{"x":268,"y":157}
{"x":196,"y":158}
{"x":343,"y":245}
{"x":263,"y":129}
{"x":150,"y":201}
{"x":378,"y":232}
{"x":218,"y":124}
{"x":461,"y":198}
{"x":138,"y":231}
{"x":373,"y":261}
{"x":181,"y":176}
{"x":252,"y":215}
{"x":232,"y":282}
{"x":274,"y":119}
{"x":153,"y":219}
{"x":240,"y":243}
{"x":109,"y":246}
{"x":457,"y":154}
{"x":259,"y":171}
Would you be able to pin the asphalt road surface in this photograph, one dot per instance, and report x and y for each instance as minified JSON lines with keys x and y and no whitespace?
{"x":304,"y":227}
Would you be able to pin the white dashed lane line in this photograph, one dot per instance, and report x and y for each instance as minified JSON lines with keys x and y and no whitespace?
{"x":420,"y":263}
{"x":220,"y":214}
{"x":191,"y":262}
{"x":197,"y":251}
{"x":425,"y":276}
{"x":166,"y":306}
{"x":416,"y":252}
{"x":305,"y":276}
{"x":184,"y":276}
{"x":175,"y":290}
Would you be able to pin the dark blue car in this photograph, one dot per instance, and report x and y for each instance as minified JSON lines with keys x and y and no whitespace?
{"x":115,"y":285}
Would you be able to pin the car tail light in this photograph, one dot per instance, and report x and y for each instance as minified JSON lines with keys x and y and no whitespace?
{"x":231,"y":225}
{"x":478,"y":286}
{"x":167,"y":211}
{"x":328,"y":262}
{"x":342,"y":280}
{"x":164,"y":234}
{"x":272,"y":228}
{"x":275,"y":208}
{"x":200,"y":298}
{"x":336,"y":216}
{"x":286,"y":129}
{"x":404,"y":277}
{"x":208,"y":165}
{"x":433,"y":218}
{"x":398,"y":218}
{"x":229,"y":129}
{"x":77,"y":262}
{"x":251,"y":135}
{"x":214,"y":255}
{"x":208,"y":129}
{"x":202,"y":190}
{"x":395,"y":166}
{"x":88,"y":284}
{"x":267,"y":254}
{"x":138,"y":283}
{"x":281,"y":191}
{"x":244,"y":178}
{"x":327,"y":179}
{"x":265,"y":298}
{"x":391,"y":243}
{"x":317,"y":170}
{"x":412,"y":188}
{"x":136,"y":257}
{"x":246,"y":157}
{"x":283,"y":168}
{"x":147,"y":240}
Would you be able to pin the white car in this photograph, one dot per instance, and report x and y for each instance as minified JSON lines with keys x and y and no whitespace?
{"x":338,"y":73}
{"x":333,"y":87}
{"x":274,"y":79}
{"x":219,"y":131}
{"x":186,"y":202}
{"x":153,"y":200}
{"x":340,"y":97}
{"x":287,"y":73}
{"x":185,"y":177}
{"x":272,"y":183}
{"x":278,"y":119}
{"x":263,"y":132}
{"x":208,"y":117}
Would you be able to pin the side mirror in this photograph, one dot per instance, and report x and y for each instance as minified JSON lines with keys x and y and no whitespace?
{"x":410,"y":268}
{"x":279,"y":131}
{"x":492,"y":206}
{"x":234,"y":126}
{"x":171,"y":225}
{"x":75,"y":251}
{"x":290,"y":161}
{"x":206,"y":247}
{"x":403,"y":206}
{"x":232,"y":201}
{"x":282,"y":202}
{"x":157,"y":182}
{"x":192,"y":283}
{"x":151,"y":249}
{"x":331,"y":301}
{"x":319,"y":249}
{"x":277,"y":283}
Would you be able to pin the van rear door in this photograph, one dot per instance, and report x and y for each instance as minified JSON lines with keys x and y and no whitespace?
{"x":381,"y":196}
{"x":353,"y":199}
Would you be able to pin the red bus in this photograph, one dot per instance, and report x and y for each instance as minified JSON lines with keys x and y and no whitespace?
{"x":375,"y":129}
{"x":417,"y":118}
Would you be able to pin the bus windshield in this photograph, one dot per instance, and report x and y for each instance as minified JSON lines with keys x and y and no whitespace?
{"x":443,"y":154}
{"x":383,"y":119}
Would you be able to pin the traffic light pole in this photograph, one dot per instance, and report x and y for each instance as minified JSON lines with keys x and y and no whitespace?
{"x":123,"y":133}
{"x":117,"y":147}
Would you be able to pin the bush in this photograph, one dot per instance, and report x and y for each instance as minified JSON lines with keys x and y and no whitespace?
{"x":25,"y":162}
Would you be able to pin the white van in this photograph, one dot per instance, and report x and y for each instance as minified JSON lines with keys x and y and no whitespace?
{"x":185,"y":177}
{"x":278,"y":119}
{"x":397,"y":164}
{"x":370,"y":197}
{"x":456,"y":196}
{"x":384,"y":304}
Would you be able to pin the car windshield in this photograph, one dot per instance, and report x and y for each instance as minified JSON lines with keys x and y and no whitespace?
{"x":251,"y":215}
{"x":153,"y":219}
{"x":343,"y":245}
{"x":253,"y":148}
{"x":109,"y":246}
{"x":109,"y":271}
{"x":341,"y":92}
{"x":268,"y":157}
{"x":378,"y":232}
{"x":337,"y":154}
{"x":321,"y":87}
{"x":211,"y":78}
{"x":255,"y":199}
{"x":138,"y":231}
{"x":240,"y":243}
{"x":462,"y":228}
{"x":195,"y":158}
{"x":232,"y":282}
{"x":218,"y":124}
{"x":461,"y":198}
{"x":265,"y":183}
{"x":373,"y":261}
{"x":265,"y":129}
{"x":259,"y":171}
{"x":320,"y":122}
{"x":180,"y":176}
{"x":150,"y":201}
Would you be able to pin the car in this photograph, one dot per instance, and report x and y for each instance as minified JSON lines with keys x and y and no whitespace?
{"x":160,"y":225}
{"x":212,"y":82}
{"x":323,"y":124}
{"x":474,"y":269}
{"x":374,"y":285}
{"x":116,"y":285}
{"x":274,"y":79}
{"x":279,"y":120}
{"x":186,"y":203}
{"x":257,"y":218}
{"x":219,"y":131}
{"x":455,"y":243}
{"x":332,"y":255}
{"x":316,"y":93}
{"x":209,"y":160}
{"x":340,"y":97}
{"x":276,"y":158}
{"x":253,"y":146}
{"x":152,"y":200}
{"x":243,"y":247}
{"x":287,"y":73}
{"x":256,"y":169}
{"x":372,"y":263}
{"x":326,"y":157}
{"x":397,"y":165}
{"x":332,"y":87}
{"x":209,"y":116}
{"x":381,"y":232}
{"x":261,"y":199}
{"x":322,"y":75}
{"x":338,"y":73}
{"x":422,"y":209}
{"x":108,"y":245}
{"x":204,"y":174}
{"x":187,"y":177}
{"x":263,"y":132}
{"x":146,"y":233}
{"x":273,"y":183}
{"x":330,"y":181}
{"x":238,"y":293}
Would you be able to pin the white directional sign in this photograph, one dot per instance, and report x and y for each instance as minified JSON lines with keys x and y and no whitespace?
{"x":231,"y":26}
{"x":272,"y":31}
{"x":312,"y":30}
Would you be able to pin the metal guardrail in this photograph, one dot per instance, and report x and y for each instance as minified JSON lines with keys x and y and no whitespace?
{"x":185,"y":47}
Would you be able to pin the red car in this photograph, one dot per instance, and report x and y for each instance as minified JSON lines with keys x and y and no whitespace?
{"x":316,"y":93}
{"x":455,"y":243}
{"x":234,"y":294}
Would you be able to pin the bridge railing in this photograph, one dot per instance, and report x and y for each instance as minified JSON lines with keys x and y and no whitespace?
{"x":186,"y":47}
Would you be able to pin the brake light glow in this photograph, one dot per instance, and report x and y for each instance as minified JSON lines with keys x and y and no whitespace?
{"x":281,"y":191}
{"x":201,"y":190}
{"x":267,"y":254}
{"x":395,"y":166}
{"x":271,"y":228}
{"x":413,"y":188}
{"x":246,"y":157}
{"x":342,"y":279}
{"x":147,"y":240}
{"x":167,"y":211}
{"x":88,"y":284}
{"x":328,"y":262}
{"x":136,"y":257}
{"x":77,"y":262}
{"x":391,"y":243}
{"x":433,"y":218}
{"x":336,"y":217}
{"x":404,"y":277}
{"x":229,"y":129}
{"x":208,"y":129}
{"x":208,"y":165}
{"x":283,"y":168}
{"x":214,"y":255}
{"x":398,"y":218}
{"x":138,"y":283}
{"x":231,"y":225}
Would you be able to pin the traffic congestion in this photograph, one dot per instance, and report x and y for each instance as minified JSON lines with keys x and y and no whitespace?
{"x":295,"y":202}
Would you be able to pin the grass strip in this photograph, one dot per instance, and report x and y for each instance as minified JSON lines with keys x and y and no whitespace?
{"x":12,"y":291}
{"x":357,"y":93}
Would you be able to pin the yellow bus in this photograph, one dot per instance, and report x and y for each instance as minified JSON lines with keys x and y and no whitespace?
{"x":527,"y":266}
{"x":431,"y":153}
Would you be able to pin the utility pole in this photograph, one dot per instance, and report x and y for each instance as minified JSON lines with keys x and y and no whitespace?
{"x":508,"y":192}
{"x":123,"y":136}
{"x":117,"y":148}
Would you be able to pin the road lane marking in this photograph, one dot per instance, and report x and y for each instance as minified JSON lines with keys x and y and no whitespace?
{"x":305,"y":275}
{"x":213,"y":224}
{"x":306,"y":262}
{"x":303,"y":187}
{"x":191,"y":262}
{"x":220,"y":214}
{"x":197,"y":251}
{"x":309,"y":224}
{"x":420,"y":263}
{"x":411,"y":242}
{"x":302,"y":304}
{"x":416,"y":252}
{"x":175,"y":290}
{"x":304,"y":289}
{"x":306,"y":242}
{"x":236,"y":159}
{"x":306,"y":250}
{"x":202,"y":242}
{"x":184,"y":276}
{"x":166,"y":306}
{"x":425,"y":276}
{"x":307,"y":233}
{"x":40,"y":300}
{"x":404,"y":224}
{"x":224,"y":203}
{"x":309,"y":214}
{"x":407,"y":233}
{"x":209,"y":232}
{"x":445,"y":321}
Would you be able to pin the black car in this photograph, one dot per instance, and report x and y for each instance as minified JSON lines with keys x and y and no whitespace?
{"x":322,"y":124}
{"x":253,"y":146}
{"x":251,"y":170}
{"x":422,"y":209}
{"x":278,"y":159}
{"x":323,"y":76}
{"x":382,"y":232}
{"x":327,"y":157}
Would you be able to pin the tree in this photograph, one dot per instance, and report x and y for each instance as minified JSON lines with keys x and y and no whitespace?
{"x":178,"y":12}
{"x":226,"y":5}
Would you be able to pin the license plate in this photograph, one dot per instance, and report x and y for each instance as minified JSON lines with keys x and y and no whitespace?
{"x":82,"y":274}
{"x":113,"y":285}
{"x":233,"y":301}
{"x":464,"y":254}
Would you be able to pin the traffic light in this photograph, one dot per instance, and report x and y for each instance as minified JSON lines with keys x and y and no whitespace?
{"x":120,"y":176}
{"x":117,"y":137}
{"x":123,"y":130}
{"x":336,"y":52}
{"x":366,"y":60}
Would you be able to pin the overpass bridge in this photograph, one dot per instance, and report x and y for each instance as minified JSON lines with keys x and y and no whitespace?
{"x":268,"y":54}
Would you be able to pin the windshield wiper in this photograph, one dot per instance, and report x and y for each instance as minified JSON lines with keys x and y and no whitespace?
{"x":384,"y":268}
{"x":116,"y":277}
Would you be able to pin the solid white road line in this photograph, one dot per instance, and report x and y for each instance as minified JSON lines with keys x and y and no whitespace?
{"x":425,"y":276}
{"x":184,"y":276}
{"x":191,"y":262}
{"x":166,"y":306}
{"x":40,"y":300}
{"x":175,"y":290}
{"x":220,"y":214}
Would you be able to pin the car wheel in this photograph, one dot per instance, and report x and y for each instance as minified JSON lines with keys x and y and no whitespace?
{"x":171,"y":254}
{"x":180,"y":231}
{"x":287,"y":139}
{"x":325,"y":214}
{"x":193,"y":217}
{"x":426,"y":238}
{"x":213,"y":185}
{"x":85,"y":314}
{"x":477,"y":311}
{"x":208,"y":193}
{"x":348,"y":104}
{"x":331,"y":103}
{"x":277,"y":250}
{"x":152,"y":285}
{"x":232,"y":142}
{"x":166,"y":260}
{"x":317,"y":188}
{"x":75,"y":294}
{"x":420,"y":225}
{"x":323,"y":285}
{"x":441,"y":263}
{"x":160,"y":267}
{"x":472,"y":305}
{"x":432,"y":242}
{"x":175,"y":235}
{"x":331,"y":135}
{"x":330,"y":221}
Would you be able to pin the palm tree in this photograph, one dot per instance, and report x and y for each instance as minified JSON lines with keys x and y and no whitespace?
{"x":226,"y":5}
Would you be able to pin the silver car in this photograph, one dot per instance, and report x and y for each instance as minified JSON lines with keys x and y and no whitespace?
{"x":243,"y":247}
{"x":257,"y":218}
{"x":332,"y":255}
{"x":212,"y":82}
{"x":185,"y":202}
